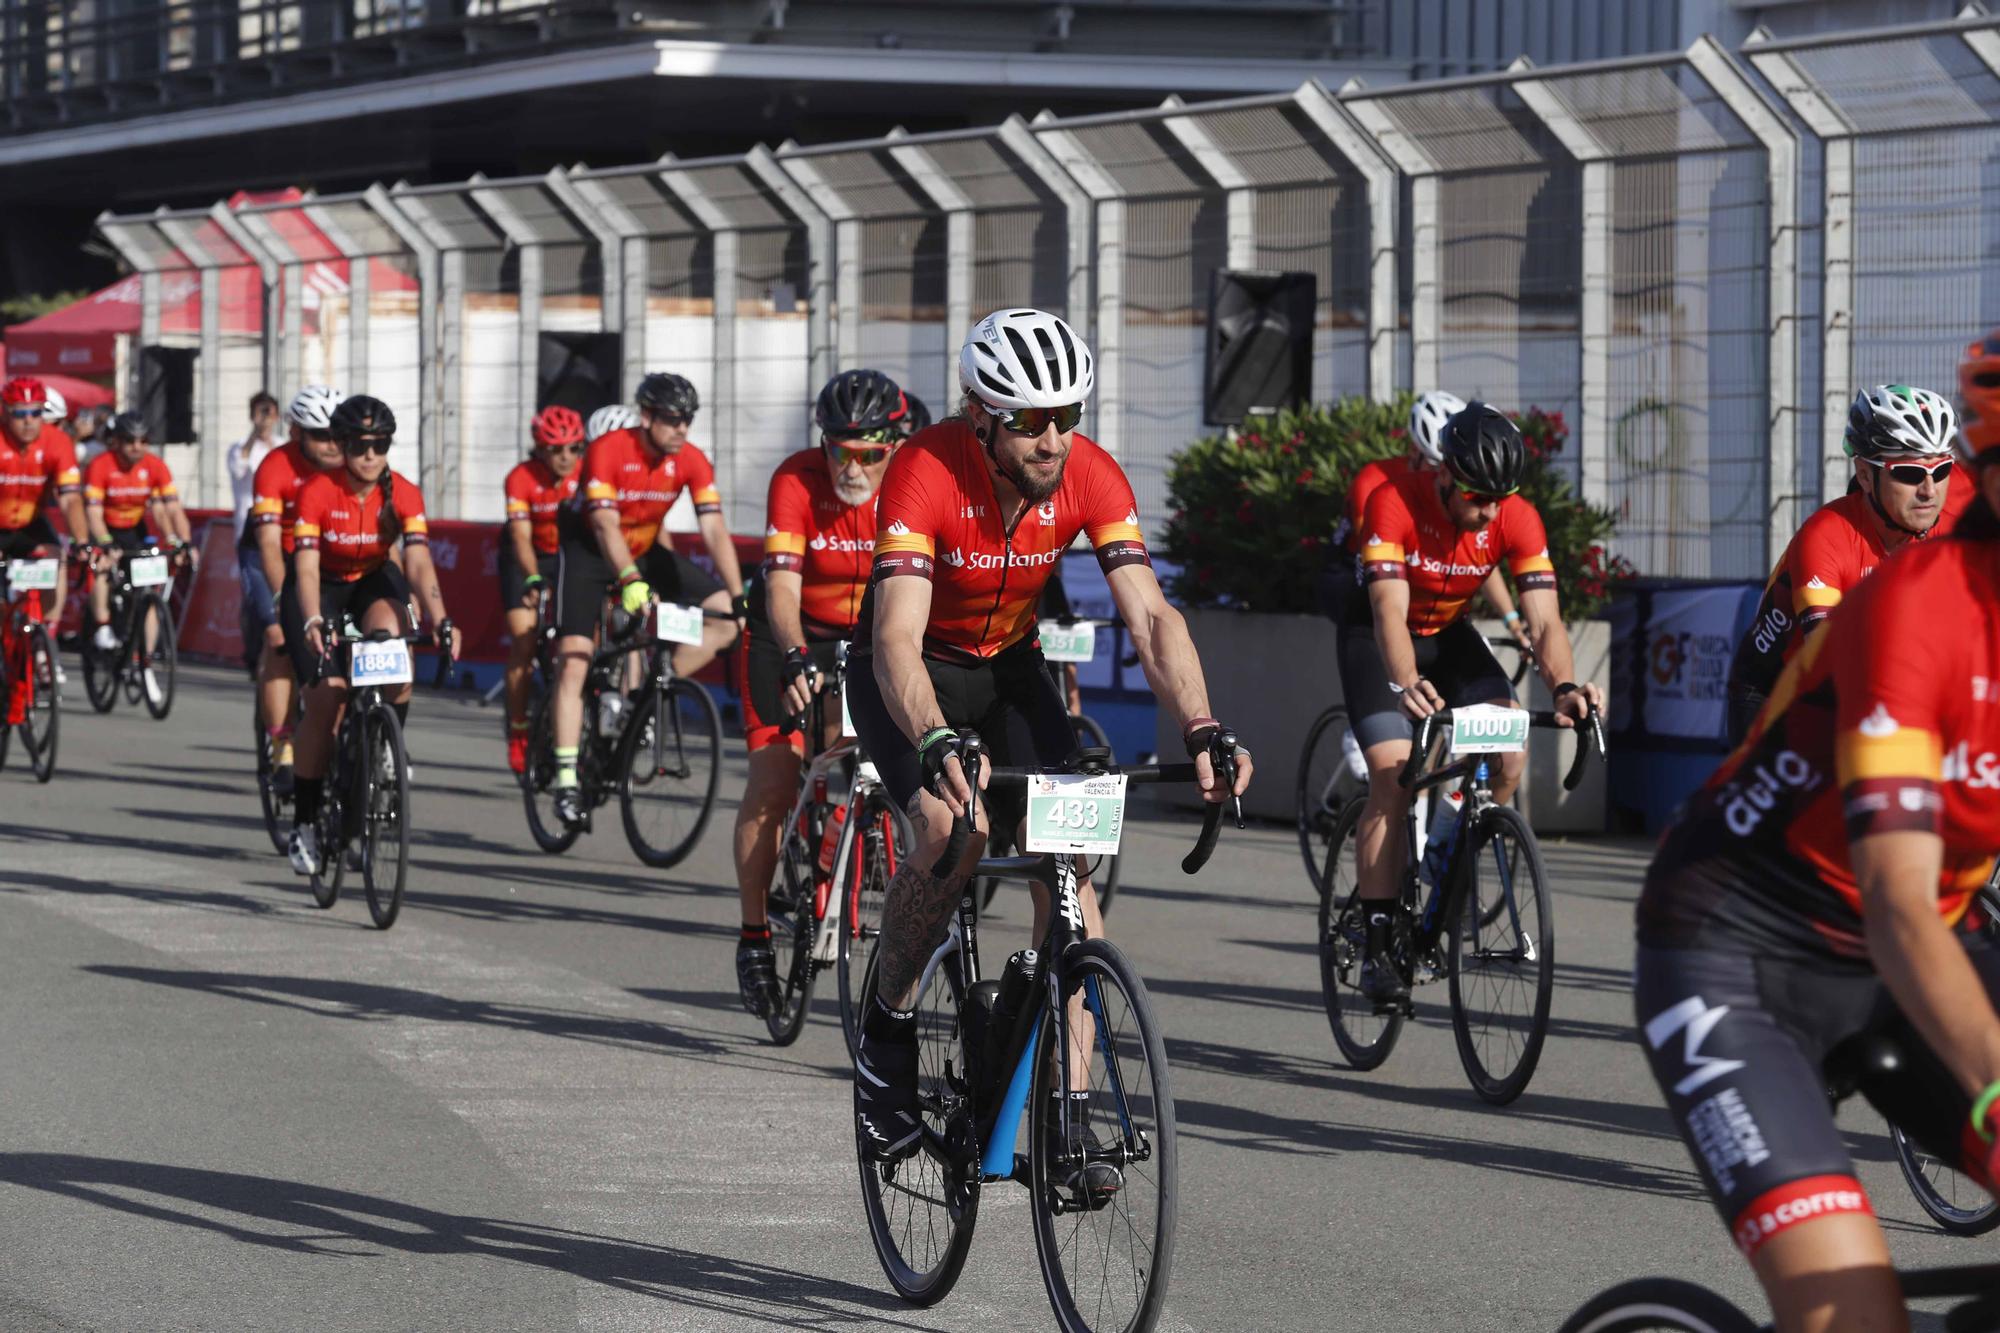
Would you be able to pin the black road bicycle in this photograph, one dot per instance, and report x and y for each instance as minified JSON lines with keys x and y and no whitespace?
{"x":1484,"y":928}
{"x":141,"y":664}
{"x":1066,"y":1041}
{"x":658,"y":750}
{"x":367,"y":794}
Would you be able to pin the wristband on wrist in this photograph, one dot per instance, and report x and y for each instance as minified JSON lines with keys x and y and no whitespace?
{"x":1195,"y":735}
{"x":933,"y":736}
{"x":531,"y":581}
{"x":1512,"y":618}
{"x":1562,"y":689}
{"x":628,"y":574}
{"x":316,"y":620}
{"x":1981,"y":1107}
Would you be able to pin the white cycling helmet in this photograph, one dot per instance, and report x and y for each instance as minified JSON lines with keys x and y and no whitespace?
{"x":312,"y":407}
{"x":1897,"y":421}
{"x":1427,"y":420}
{"x":618,"y":416}
{"x":1026,"y":358}
{"x":55,"y":409}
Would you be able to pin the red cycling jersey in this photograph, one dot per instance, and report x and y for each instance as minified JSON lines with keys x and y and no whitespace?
{"x":275,"y":490}
{"x":1839,"y":546}
{"x":535,"y":495}
{"x":1409,"y":535}
{"x":27,"y":474}
{"x":1888,"y":719}
{"x":621,"y":472}
{"x":1371,"y":478}
{"x":939,"y":520}
{"x":346,"y":528}
{"x":63,"y":449}
{"x":810,"y":531}
{"x":123,"y":492}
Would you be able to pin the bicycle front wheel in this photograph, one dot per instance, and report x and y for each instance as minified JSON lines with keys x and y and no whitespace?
{"x":385,"y":810}
{"x":1665,"y":1304}
{"x":1501,"y":950}
{"x":156,"y":664}
{"x":42,"y":722}
{"x":538,"y":782}
{"x":1103,"y":1173}
{"x":793,"y":911}
{"x":921,"y":1210}
{"x":100,"y":674}
{"x":1320,"y":788}
{"x":669,"y":762}
{"x":1364,"y":1035}
{"x":1952,"y":1200}
{"x":875,"y":851}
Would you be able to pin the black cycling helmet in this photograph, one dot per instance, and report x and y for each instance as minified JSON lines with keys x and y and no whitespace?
{"x":362,"y":418}
{"x":128,"y":426}
{"x":915,"y":416}
{"x":859,"y":402}
{"x":668,"y":393}
{"x":1483,"y":450}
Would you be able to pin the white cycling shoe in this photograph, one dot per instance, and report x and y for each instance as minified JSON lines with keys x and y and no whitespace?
{"x":303,"y":850}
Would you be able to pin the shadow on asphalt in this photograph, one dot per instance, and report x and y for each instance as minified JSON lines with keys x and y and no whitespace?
{"x":155,"y":893}
{"x":312,"y":1219}
{"x":500,"y":905}
{"x":366,"y":1001}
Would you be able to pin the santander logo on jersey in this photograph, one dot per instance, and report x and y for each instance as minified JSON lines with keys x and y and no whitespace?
{"x":845,"y":545}
{"x":1981,"y":772}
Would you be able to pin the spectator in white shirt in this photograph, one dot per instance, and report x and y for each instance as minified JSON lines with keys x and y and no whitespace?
{"x":258,"y":608}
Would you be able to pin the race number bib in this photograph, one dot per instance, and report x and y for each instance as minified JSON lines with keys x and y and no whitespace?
{"x":148,"y":571}
{"x":379,"y":664}
{"x":676,"y":624}
{"x":1076,"y":812}
{"x":38,"y":575}
{"x":1069,"y":643}
{"x":1488,"y":729}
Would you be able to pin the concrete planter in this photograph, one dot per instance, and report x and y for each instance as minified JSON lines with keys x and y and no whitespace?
{"x":1270,"y":675}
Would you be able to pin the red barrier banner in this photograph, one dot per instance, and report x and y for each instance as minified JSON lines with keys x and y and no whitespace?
{"x":467,"y":557}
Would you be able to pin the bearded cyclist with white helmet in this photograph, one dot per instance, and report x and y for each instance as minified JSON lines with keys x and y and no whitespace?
{"x":1900,"y":439}
{"x":974,"y":513}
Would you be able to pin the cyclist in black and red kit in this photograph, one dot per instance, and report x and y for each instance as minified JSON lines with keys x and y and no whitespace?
{"x":1812,"y":893}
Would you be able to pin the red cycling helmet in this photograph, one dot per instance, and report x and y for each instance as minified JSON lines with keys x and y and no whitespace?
{"x":555,"y":426}
{"x":1979,"y":391}
{"x":22,"y":391}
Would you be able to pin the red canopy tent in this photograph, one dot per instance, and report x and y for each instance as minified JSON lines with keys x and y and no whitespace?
{"x":81,"y":339}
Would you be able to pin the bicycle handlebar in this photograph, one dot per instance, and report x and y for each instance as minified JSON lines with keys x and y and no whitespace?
{"x":1223,"y":755}
{"x":1428,"y":727}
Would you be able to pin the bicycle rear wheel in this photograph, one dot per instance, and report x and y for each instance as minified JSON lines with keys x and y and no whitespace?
{"x":921,"y":1211}
{"x":794,"y":918}
{"x":385,"y":815}
{"x":42,"y":722}
{"x":875,"y":851}
{"x":538,"y":782}
{"x":1106,"y":1253}
{"x":1952,"y":1200}
{"x":277,"y":806}
{"x":1501,"y":952}
{"x":100,"y":674}
{"x":156,"y":688}
{"x":1364,"y":1036}
{"x":332,"y":831}
{"x":1666,"y":1304}
{"x":1320,"y":788}
{"x":669,"y":762}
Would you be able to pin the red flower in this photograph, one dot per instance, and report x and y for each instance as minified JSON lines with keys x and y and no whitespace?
{"x":1305,"y":478}
{"x":1308,"y":543}
{"x":1398,"y":433}
{"x":1287,"y":450}
{"x":1243,"y":512}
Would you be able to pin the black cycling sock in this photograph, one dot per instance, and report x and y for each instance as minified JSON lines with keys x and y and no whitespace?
{"x":882,"y":1021}
{"x":305,"y":798}
{"x":757,"y":934}
{"x":402,"y":714}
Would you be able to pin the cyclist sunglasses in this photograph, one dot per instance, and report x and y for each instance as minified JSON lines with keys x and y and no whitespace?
{"x":23,"y":413}
{"x":370,"y":444}
{"x":1035,"y":420}
{"x":1913,"y":474}
{"x":562,"y":448}
{"x":871,"y":447}
{"x":1484,"y":497}
{"x":673,"y":419}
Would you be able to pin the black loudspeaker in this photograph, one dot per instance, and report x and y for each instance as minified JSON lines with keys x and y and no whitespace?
{"x":580,"y":371}
{"x":166,"y":393}
{"x":1260,"y":343}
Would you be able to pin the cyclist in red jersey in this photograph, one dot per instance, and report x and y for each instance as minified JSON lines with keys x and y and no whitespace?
{"x":536,"y":491}
{"x":35,"y":448}
{"x":120,"y":486}
{"x":819,"y":535}
{"x":1430,"y":540}
{"x":1900,"y":441}
{"x":349,"y":521}
{"x":1809,"y":896}
{"x":610,"y":540}
{"x":269,"y":541}
{"x":974,"y":513}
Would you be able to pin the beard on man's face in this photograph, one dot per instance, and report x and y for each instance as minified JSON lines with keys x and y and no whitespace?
{"x":853,"y":490}
{"x":1037,"y":484}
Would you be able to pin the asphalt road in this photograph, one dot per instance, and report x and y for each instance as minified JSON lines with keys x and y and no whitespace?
{"x":535,"y":1103}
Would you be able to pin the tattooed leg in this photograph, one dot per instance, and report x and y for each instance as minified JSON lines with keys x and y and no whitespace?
{"x":917,"y":910}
